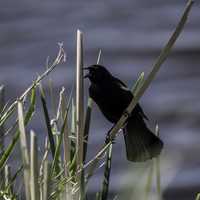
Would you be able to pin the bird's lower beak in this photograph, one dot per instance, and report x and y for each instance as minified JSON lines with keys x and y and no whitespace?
{"x":87,"y":75}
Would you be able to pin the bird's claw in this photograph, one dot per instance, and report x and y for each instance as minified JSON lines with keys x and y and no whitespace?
{"x":126,"y":114}
{"x":109,"y":139}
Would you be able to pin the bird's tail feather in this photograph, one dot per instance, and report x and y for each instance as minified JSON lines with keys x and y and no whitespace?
{"x":141,"y":143}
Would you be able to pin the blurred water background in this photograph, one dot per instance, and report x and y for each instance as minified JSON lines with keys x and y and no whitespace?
{"x":131,"y":35}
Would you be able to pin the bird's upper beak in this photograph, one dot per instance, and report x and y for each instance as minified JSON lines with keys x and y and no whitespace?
{"x":88,"y":74}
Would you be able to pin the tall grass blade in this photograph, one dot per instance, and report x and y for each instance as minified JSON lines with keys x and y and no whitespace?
{"x":87,"y":126}
{"x":31,"y":108}
{"x":55,"y":164}
{"x":60,"y":113}
{"x":8,"y":179}
{"x":47,"y":120}
{"x":198,"y":196}
{"x":99,"y":57}
{"x":2,"y":104}
{"x":42,"y":165}
{"x":34,"y":186}
{"x":107,"y":170}
{"x":79,"y":98}
{"x":28,"y":117}
{"x":82,"y":186}
{"x":9,"y":186}
{"x":73,"y":152}
{"x":98,"y":196}
{"x":66,"y":141}
{"x":149,"y":182}
{"x":165,"y":51}
{"x":6,"y":114}
{"x":138,"y":84}
{"x":51,"y":90}
{"x":93,"y":163}
{"x":157,"y":166}
{"x":79,"y":105}
{"x":67,"y":144}
{"x":46,"y":180}
{"x":9,"y":150}
{"x":24,"y":150}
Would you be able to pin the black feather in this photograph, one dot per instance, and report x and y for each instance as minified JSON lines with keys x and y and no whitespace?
{"x":112,"y":96}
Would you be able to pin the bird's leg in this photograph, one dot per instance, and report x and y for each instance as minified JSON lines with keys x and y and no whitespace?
{"x":108,"y":137}
{"x":126,"y":114}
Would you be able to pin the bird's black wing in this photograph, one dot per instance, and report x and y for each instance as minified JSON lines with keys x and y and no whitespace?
{"x":119,"y":82}
{"x":138,"y":108}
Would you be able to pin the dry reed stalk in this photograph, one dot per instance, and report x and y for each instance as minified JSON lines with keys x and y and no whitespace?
{"x":79,"y":106}
{"x":24,"y":150}
{"x":34,"y":186}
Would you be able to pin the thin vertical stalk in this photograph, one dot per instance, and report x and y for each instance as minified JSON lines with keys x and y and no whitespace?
{"x":198,"y":196}
{"x":66,"y":144}
{"x":99,"y":57}
{"x":34,"y":187}
{"x":138,"y":84}
{"x":8,"y":178}
{"x":79,"y":103}
{"x":149,"y":182}
{"x":47,"y":120}
{"x":2,"y":103}
{"x":73,"y":133}
{"x":73,"y":141}
{"x":66,"y":141}
{"x":42,"y":165}
{"x":66,"y":147}
{"x":46,"y":180}
{"x":7,"y":174}
{"x":87,"y":126}
{"x":107,"y":170}
{"x":56,"y":159}
{"x":157,"y":164}
{"x":24,"y":150}
{"x":28,"y":116}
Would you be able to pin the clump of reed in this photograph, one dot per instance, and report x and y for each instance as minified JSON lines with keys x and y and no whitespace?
{"x":62,"y":172}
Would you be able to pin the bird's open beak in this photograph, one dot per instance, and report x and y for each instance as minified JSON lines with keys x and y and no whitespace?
{"x":86,"y":68}
{"x":87,"y":75}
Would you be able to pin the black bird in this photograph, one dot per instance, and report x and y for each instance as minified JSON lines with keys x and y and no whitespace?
{"x":112,"y":96}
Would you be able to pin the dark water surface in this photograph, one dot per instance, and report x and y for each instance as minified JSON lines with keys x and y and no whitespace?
{"x":131,"y":35}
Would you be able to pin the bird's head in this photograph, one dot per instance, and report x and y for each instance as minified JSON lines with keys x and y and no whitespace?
{"x":97,"y":74}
